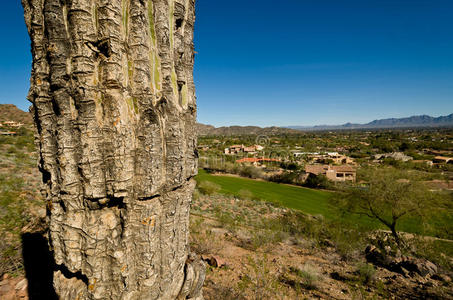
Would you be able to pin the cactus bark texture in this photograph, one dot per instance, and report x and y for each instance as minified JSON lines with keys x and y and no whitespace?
{"x":114,"y":107}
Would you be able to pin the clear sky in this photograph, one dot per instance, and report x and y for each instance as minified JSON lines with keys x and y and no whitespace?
{"x":297,"y":62}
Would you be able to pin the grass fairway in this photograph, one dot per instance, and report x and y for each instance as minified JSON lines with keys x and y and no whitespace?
{"x":314,"y":202}
{"x":307,"y":200}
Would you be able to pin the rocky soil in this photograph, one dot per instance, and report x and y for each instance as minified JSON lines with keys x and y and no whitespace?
{"x":249,"y":262}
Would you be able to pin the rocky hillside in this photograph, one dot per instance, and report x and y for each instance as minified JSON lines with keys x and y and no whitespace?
{"x":10,"y":112}
{"x":258,"y":251}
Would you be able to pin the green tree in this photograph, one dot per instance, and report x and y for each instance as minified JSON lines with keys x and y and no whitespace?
{"x":388,"y":196}
{"x":317,"y":181}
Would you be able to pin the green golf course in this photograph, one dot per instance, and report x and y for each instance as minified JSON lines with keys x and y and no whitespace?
{"x":307,"y":200}
{"x":310,"y":201}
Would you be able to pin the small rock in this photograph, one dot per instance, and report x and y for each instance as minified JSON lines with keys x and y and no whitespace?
{"x":432,"y":268}
{"x":445,"y":278}
{"x":205,"y":257}
{"x":21,"y":285}
{"x":328,"y":243}
{"x":369,"y":249}
{"x":376,"y":257}
{"x":214,"y":261}
{"x":217,"y":262}
{"x":405,"y":272}
{"x":22,"y":294}
{"x":420,"y":281}
{"x":442,"y":277}
{"x":420,"y":267}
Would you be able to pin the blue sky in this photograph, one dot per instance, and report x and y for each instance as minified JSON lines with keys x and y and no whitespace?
{"x":297,"y":62}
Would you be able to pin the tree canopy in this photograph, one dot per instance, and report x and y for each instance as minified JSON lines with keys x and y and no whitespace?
{"x":388,"y":195}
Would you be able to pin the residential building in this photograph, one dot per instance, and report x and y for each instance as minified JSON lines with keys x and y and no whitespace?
{"x":12,"y":124}
{"x":235,"y":149}
{"x":333,"y":173}
{"x":443,"y":160}
{"x":395,"y":155}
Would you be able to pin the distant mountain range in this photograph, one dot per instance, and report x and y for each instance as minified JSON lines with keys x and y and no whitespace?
{"x":9,"y":112}
{"x":414,"y":121}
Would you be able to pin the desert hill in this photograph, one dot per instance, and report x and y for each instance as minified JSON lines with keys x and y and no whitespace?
{"x":10,"y":112}
{"x":242,"y":130}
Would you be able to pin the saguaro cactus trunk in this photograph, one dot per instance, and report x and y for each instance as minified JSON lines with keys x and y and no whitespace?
{"x":114,"y":107}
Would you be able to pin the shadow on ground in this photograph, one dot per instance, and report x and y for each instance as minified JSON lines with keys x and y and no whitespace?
{"x":39,"y":266}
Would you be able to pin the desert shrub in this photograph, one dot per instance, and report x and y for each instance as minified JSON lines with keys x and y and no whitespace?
{"x":263,"y":237}
{"x":317,"y":181}
{"x":297,"y":224}
{"x":289,"y":166}
{"x":196,"y":195}
{"x":11,"y":204}
{"x":12,"y":219}
{"x":259,"y":280}
{"x":284,"y":177}
{"x":309,"y":276}
{"x":205,"y":242}
{"x":24,"y":141}
{"x":232,"y":168}
{"x":21,"y":158}
{"x":12,"y":150}
{"x":203,"y":164}
{"x":201,"y":240}
{"x":349,"y":240}
{"x":22,"y":131}
{"x":196,"y":225}
{"x":251,"y":172}
{"x":245,"y":194}
{"x":263,"y":210}
{"x":392,"y":162}
{"x":366,"y":272}
{"x":226,"y":219}
{"x":208,"y":187}
{"x":5,"y":140}
{"x":222,"y":290}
